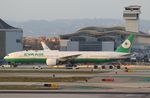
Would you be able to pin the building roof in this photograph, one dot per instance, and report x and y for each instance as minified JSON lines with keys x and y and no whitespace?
{"x":6,"y":27}
{"x":133,"y":6}
{"x":100,"y":31}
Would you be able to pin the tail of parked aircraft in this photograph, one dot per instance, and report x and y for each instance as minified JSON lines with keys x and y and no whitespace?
{"x":45,"y":47}
{"x":125,"y":47}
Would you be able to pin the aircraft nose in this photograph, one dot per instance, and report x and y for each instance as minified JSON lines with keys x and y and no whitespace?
{"x":5,"y":57}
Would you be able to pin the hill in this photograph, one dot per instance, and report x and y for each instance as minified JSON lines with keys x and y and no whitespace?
{"x":66,"y":26}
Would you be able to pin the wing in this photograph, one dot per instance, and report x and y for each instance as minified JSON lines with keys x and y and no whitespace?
{"x":127,"y":55}
{"x":67,"y":58}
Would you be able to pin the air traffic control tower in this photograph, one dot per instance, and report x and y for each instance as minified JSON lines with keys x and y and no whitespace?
{"x":131,"y":16}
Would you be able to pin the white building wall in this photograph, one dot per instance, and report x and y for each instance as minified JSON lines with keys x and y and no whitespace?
{"x":11,"y":42}
{"x":142,"y":40}
{"x":63,"y":45}
{"x":132,"y":25}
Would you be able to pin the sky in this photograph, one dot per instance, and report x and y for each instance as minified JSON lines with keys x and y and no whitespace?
{"x":23,"y":10}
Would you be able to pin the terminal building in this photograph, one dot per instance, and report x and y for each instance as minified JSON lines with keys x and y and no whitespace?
{"x":107,"y":39}
{"x":10,"y":39}
{"x":101,"y":39}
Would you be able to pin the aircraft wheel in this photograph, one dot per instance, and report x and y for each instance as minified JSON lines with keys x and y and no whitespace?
{"x":15,"y":65}
{"x":103,"y":67}
{"x":110,"y":67}
{"x":118,"y":67}
{"x":95,"y":66}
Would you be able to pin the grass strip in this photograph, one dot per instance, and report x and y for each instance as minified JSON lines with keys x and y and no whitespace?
{"x":50,"y":71}
{"x":42,"y":79}
{"x":23,"y":87}
{"x":36,"y":87}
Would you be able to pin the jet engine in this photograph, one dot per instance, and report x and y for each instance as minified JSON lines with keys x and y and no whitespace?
{"x":51,"y":62}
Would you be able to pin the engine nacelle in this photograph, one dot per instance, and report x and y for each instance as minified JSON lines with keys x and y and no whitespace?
{"x":51,"y":62}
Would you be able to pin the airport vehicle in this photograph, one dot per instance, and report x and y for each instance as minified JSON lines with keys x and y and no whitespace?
{"x":6,"y":66}
{"x":70,"y":58}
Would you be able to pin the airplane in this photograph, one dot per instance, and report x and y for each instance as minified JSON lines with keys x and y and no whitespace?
{"x":54,"y":57}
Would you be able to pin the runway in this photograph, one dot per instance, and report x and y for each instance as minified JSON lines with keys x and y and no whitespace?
{"x":133,"y":84}
{"x":58,"y":95}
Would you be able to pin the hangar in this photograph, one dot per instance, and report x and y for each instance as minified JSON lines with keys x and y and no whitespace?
{"x":10,"y":39}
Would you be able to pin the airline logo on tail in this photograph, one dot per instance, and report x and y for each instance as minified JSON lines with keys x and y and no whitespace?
{"x":125,"y":47}
{"x":126,"y":44}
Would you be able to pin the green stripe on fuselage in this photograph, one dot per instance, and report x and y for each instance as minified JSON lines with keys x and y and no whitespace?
{"x":26,"y":60}
{"x":43,"y":60}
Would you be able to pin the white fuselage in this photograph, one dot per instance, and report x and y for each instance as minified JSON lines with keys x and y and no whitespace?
{"x":43,"y":54}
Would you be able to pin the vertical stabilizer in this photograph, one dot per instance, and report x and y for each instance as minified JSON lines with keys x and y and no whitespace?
{"x":45,"y":47}
{"x":126,"y":45}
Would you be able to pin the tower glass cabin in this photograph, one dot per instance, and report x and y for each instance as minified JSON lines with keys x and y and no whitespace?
{"x":131,"y":16}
